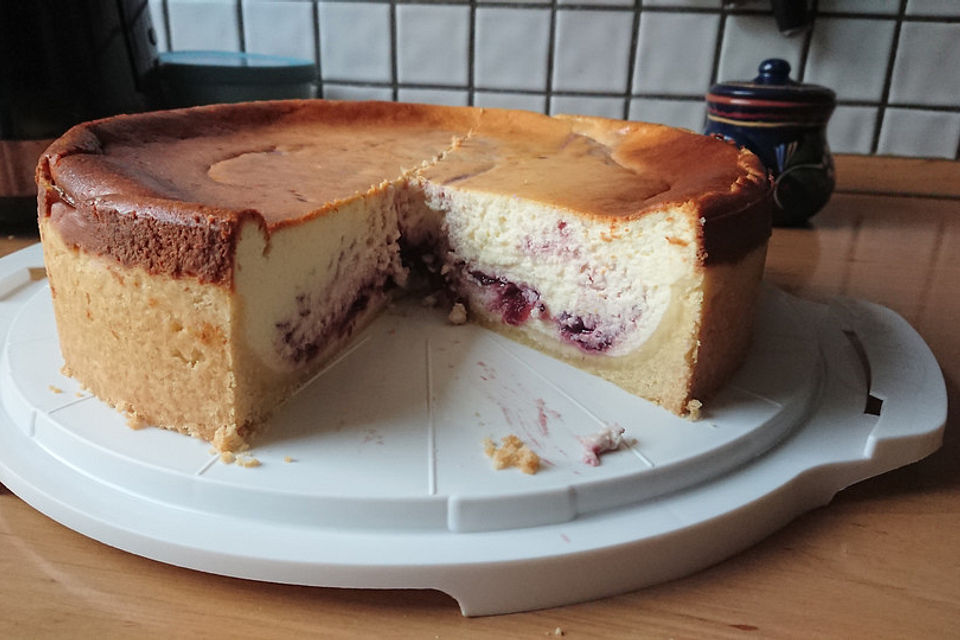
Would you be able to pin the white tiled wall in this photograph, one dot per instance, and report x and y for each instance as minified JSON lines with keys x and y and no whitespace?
{"x":666,"y":63}
{"x":355,"y":41}
{"x":895,"y":64}
{"x":747,"y":40}
{"x":279,"y":27}
{"x":591,"y":50}
{"x":847,"y":54}
{"x":209,"y":24}
{"x":511,"y":48}
{"x":432,"y":44}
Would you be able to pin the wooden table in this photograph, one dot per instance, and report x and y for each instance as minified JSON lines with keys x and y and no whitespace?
{"x":881,"y":561}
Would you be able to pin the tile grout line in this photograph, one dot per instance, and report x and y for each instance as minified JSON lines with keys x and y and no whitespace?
{"x":551,"y":48}
{"x":888,"y":78}
{"x":684,"y":97}
{"x":317,"y":62}
{"x":127,"y":25}
{"x":394,"y":83}
{"x":632,"y":60}
{"x":743,"y":11}
{"x":717,"y":52}
{"x":807,"y":41}
{"x":471,"y":54}
{"x":168,"y":34}
{"x":241,"y":36}
{"x":718,"y":46}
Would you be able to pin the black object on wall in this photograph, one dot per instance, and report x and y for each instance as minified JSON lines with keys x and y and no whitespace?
{"x":63,"y":62}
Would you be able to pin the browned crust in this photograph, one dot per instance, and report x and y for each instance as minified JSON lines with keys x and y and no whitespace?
{"x":727,"y":187}
{"x":730,"y":292}
{"x":125,"y":212}
{"x":726,"y":236}
{"x":198,"y":243}
{"x":129,"y":222}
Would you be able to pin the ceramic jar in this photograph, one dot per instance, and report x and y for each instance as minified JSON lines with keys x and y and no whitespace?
{"x":783,"y":122}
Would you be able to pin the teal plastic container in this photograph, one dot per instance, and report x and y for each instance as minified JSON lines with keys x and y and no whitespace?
{"x":188,"y":78}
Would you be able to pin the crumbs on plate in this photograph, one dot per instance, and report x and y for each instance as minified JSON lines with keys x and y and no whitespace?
{"x":135,"y":422}
{"x":247,"y":461}
{"x":610,"y":439}
{"x":241,"y":460}
{"x":512,"y":452}
{"x":458,"y":314}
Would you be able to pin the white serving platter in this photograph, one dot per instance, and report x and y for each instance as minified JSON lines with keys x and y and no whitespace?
{"x":374,"y":475}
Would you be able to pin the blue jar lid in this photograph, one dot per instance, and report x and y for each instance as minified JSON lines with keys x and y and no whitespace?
{"x":771,"y":97}
{"x":228,"y":67}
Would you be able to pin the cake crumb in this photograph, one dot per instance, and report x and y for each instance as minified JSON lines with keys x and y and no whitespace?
{"x":228,"y":438}
{"x":429,"y":301}
{"x":55,"y":389}
{"x":458,"y":314}
{"x":135,"y":422}
{"x":287,"y":459}
{"x":248,"y":462}
{"x":241,"y":460}
{"x":693,"y":410}
{"x":558,"y":632}
{"x":80,"y":394}
{"x":512,"y":452}
{"x":610,"y":439}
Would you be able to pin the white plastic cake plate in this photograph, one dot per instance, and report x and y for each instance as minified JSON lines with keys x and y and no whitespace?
{"x":374,"y":474}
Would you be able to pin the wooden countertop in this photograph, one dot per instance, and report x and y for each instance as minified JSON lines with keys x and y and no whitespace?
{"x":881,"y":561}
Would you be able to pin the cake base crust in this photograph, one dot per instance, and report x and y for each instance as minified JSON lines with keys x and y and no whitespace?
{"x":157,"y":348}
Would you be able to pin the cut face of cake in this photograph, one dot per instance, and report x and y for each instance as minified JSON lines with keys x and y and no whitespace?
{"x":204,"y":263}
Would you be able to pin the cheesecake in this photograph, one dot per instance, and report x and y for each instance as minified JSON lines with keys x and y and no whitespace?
{"x":204,"y":263}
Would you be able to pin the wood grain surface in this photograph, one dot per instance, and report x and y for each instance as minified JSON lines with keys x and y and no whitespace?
{"x":881,"y":561}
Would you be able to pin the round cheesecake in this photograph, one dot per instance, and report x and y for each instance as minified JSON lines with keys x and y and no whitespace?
{"x":205,"y":262}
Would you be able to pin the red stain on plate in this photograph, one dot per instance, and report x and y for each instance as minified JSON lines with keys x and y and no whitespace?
{"x":544,"y":413}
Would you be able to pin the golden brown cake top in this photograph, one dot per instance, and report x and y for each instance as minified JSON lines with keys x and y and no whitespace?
{"x":599,"y":167}
{"x":142,"y":186}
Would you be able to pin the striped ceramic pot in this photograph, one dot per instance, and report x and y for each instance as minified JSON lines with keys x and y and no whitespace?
{"x":784,"y":122}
